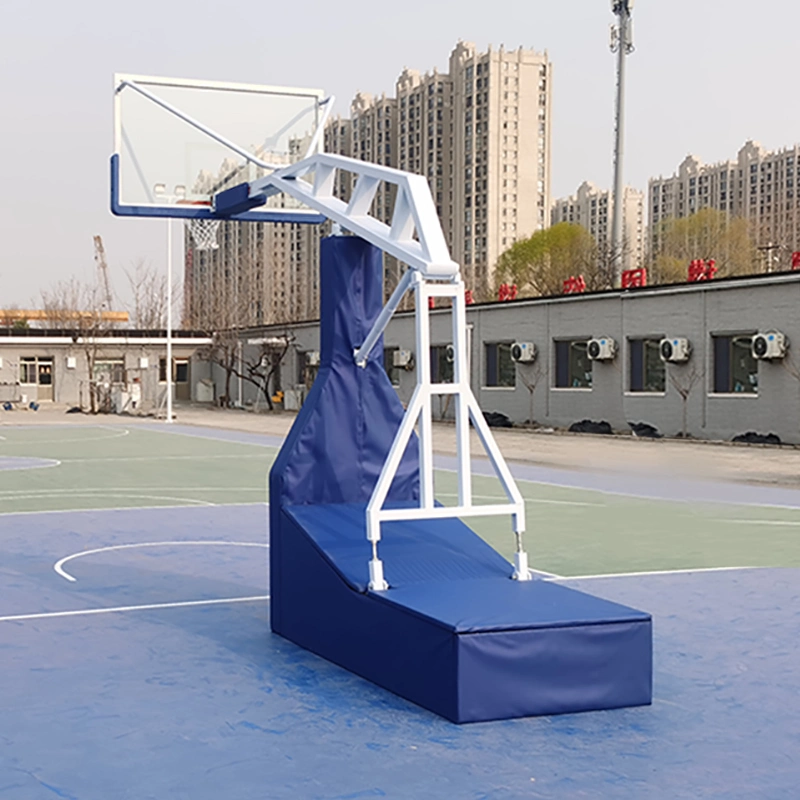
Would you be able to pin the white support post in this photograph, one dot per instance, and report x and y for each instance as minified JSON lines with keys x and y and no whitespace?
{"x":419,"y":410}
{"x":169,"y":321}
{"x":423,"y":325}
{"x":461,"y":380}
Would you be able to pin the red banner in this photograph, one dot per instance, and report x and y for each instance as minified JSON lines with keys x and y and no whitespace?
{"x":574,"y":285}
{"x":700,"y":270}
{"x":632,"y":278}
{"x":506,"y":292}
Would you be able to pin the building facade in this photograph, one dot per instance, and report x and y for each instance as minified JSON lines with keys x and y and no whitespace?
{"x":727,"y":390}
{"x":759,"y":186}
{"x":592,"y":208}
{"x":124,"y":370}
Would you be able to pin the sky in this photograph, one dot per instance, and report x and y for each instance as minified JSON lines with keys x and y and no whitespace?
{"x":706,"y":76}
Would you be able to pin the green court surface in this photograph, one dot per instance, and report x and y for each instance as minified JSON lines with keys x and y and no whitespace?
{"x":571,"y":531}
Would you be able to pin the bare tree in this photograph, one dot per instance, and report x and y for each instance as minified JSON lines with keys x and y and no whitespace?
{"x":77,"y":309}
{"x":531,"y":376}
{"x":684,"y":377}
{"x":148,"y":290}
{"x":260,"y":368}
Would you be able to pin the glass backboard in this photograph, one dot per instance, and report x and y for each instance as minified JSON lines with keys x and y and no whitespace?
{"x":178,"y":142}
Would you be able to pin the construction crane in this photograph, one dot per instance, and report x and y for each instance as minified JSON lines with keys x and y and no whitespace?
{"x":102,"y":267}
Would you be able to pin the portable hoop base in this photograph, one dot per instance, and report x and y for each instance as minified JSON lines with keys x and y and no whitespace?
{"x":454,"y":632}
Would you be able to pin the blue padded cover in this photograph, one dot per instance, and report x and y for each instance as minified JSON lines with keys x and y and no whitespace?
{"x":343,"y":433}
{"x":412,"y":552}
{"x":488,"y":604}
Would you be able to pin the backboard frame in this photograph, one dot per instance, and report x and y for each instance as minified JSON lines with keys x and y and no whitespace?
{"x":142,"y":83}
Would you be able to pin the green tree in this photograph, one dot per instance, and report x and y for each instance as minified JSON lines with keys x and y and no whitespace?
{"x":708,"y":234}
{"x":540,"y":264}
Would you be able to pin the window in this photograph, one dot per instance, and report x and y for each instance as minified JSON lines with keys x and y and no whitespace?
{"x":648,"y":371}
{"x":500,"y":369}
{"x":27,"y":370}
{"x":573,"y":365}
{"x":110,"y":370}
{"x":162,"y":370}
{"x":735,"y":369}
{"x":441,"y":365}
{"x":388,"y":362}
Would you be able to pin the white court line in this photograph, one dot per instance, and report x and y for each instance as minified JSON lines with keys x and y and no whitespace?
{"x":652,"y":572}
{"x":34,"y":442}
{"x":195,"y":457}
{"x":121,"y":508}
{"x":58,"y":567}
{"x":109,"y":493}
{"x":759,"y":521}
{"x":526,"y":499}
{"x":54,"y":462}
{"x":126,"y":489}
{"x":85,"y":612}
{"x":219,"y":438}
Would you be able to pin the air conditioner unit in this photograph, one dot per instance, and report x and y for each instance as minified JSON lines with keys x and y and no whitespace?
{"x":312,"y":358}
{"x":450,"y":354}
{"x":603,"y":348}
{"x":403,"y":358}
{"x":523,"y":351}
{"x":772,"y":344}
{"x":676,"y":349}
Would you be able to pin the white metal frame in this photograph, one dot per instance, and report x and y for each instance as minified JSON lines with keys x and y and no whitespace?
{"x":138,"y":83}
{"x":415,"y":237}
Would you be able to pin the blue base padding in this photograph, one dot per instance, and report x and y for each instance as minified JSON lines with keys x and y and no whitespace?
{"x":454,"y":633}
{"x":466,"y":642}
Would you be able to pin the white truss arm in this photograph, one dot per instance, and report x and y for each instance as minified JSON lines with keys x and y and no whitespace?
{"x":414,"y":237}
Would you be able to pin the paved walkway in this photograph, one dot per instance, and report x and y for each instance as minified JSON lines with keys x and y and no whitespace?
{"x":617,"y":454}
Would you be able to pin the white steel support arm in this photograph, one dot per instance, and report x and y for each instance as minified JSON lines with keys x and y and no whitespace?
{"x":414,"y":237}
{"x":379,"y":327}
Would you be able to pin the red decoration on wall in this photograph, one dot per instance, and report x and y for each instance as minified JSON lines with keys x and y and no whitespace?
{"x":796,"y":260}
{"x":468,"y":298}
{"x":634,"y":277}
{"x":700,"y":270}
{"x":506,"y":292}
{"x":573,"y":285}
{"x":431,"y":303}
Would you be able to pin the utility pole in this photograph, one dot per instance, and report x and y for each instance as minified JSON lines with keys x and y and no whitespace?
{"x":622,"y":45}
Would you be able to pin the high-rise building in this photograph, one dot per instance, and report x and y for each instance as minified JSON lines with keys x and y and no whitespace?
{"x":592,"y":208}
{"x":759,"y":186}
{"x":500,"y":142}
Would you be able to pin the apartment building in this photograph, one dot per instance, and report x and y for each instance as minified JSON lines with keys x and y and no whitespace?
{"x":759,"y":186}
{"x":501,"y":129}
{"x":592,"y":208}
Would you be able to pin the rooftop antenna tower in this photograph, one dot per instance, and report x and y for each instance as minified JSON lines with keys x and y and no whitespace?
{"x":622,"y":45}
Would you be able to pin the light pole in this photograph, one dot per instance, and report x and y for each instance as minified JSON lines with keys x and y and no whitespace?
{"x":160,"y":190}
{"x":622,"y":45}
